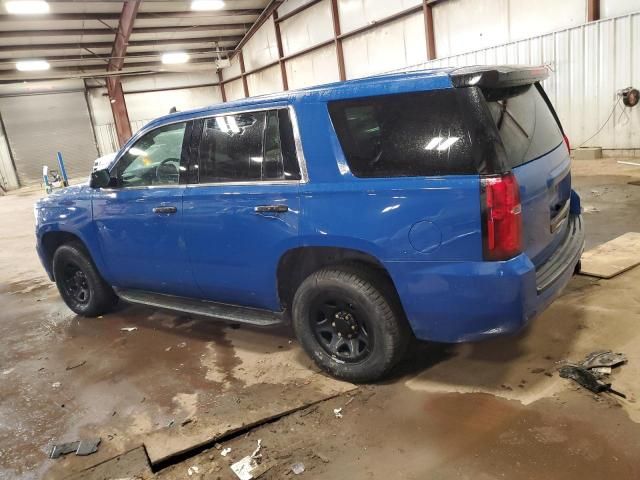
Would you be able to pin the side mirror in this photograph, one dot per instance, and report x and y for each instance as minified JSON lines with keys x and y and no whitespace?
{"x":100,"y":179}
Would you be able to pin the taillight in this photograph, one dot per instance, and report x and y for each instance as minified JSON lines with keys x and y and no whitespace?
{"x":501,"y":217}
{"x":566,"y":142}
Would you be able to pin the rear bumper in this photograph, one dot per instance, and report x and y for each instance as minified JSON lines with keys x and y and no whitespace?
{"x":567,"y":255}
{"x":468,"y":301}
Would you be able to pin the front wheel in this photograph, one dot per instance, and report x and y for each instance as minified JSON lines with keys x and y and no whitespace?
{"x":349,"y":322}
{"x":79,"y":283}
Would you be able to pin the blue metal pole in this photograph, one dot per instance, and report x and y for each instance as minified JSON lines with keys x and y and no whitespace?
{"x":63,"y":172}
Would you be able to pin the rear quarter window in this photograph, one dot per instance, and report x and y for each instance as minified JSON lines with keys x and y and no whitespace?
{"x":524,"y":122}
{"x":430,"y":133}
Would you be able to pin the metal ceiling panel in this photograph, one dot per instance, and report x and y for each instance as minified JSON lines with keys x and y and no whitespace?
{"x":77,"y":36}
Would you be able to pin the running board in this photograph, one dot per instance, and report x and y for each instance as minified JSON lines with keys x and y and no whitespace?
{"x":231,"y":313}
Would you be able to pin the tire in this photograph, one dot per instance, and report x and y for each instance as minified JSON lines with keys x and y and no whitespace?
{"x":350,"y":296}
{"x":79,"y":283}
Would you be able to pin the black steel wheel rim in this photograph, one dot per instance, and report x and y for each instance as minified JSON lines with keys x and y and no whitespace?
{"x":76,"y":284}
{"x":341,"y":327}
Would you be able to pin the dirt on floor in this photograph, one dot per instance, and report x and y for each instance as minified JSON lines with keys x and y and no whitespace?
{"x":496,"y":409}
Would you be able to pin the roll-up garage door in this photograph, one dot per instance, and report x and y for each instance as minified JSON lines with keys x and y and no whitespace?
{"x":38,"y":126}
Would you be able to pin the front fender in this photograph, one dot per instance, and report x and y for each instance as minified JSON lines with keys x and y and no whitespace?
{"x":72,"y":216}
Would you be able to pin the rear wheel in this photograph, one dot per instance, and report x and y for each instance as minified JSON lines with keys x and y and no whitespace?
{"x":79,"y":283}
{"x":350,"y":323}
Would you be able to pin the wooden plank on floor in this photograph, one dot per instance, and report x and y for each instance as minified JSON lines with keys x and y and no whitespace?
{"x":132,"y":464}
{"x":234,"y":412}
{"x":612,"y":258}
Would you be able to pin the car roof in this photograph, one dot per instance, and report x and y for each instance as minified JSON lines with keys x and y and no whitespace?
{"x":384,"y":84}
{"x":428,"y":79}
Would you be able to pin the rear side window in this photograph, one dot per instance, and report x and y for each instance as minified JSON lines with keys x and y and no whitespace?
{"x":525,"y":123}
{"x":252,"y":146}
{"x":412,"y":134}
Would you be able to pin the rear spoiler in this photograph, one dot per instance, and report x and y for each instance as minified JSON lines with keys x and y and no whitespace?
{"x":497,"y":77}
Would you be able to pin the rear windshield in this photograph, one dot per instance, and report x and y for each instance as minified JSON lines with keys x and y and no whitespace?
{"x":525,"y":123}
{"x":414,"y":134}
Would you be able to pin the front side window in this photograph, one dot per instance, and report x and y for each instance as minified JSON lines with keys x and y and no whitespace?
{"x":155,"y":159}
{"x":253,"y":146}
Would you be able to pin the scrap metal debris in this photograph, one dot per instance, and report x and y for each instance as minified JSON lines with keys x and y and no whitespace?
{"x":193,"y":469}
{"x":601,"y":370}
{"x":128,"y":329}
{"x":587,"y":379}
{"x":245,"y":467}
{"x":604,"y":358}
{"x":297,"y":468}
{"x":593,"y":369}
{"x":256,"y":453}
{"x":76,"y":365}
{"x":80,"y":447}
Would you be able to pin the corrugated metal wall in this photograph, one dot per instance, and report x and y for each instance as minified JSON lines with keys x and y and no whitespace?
{"x":37,"y":128}
{"x":8,"y":176}
{"x":590,"y":64}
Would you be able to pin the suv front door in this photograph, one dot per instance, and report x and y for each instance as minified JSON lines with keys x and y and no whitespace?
{"x":139,"y":218}
{"x":243,"y":214}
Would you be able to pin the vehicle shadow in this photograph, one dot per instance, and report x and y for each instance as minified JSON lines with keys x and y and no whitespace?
{"x":507,"y":363}
{"x":518,"y":365}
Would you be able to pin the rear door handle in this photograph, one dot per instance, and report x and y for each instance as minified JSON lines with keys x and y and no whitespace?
{"x":165,"y":210}
{"x":271,"y":209}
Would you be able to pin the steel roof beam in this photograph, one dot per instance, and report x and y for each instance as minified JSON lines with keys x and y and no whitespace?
{"x":52,"y":17}
{"x":136,"y":31}
{"x":133,"y":44}
{"x":114,"y":86}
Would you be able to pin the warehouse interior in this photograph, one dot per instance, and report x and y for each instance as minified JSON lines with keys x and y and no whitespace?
{"x":173,"y":395}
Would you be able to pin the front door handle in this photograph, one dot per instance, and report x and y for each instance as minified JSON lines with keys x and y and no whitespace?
{"x":271,"y":209}
{"x":165,"y":210}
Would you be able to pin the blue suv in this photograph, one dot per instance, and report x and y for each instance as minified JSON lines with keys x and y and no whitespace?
{"x":434,"y":204}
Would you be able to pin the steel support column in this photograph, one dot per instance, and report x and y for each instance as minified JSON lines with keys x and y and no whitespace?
{"x":114,"y":86}
{"x":428,"y":30}
{"x":245,"y":85}
{"x":221,"y":83}
{"x":283,"y":69}
{"x":119,"y":110}
{"x":335,"y":16}
{"x":593,"y":10}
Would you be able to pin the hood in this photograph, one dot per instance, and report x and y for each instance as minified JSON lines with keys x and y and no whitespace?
{"x":74,"y":192}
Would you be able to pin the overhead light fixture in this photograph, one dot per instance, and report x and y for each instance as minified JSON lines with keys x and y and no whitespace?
{"x":203,"y":5}
{"x":175,"y":57}
{"x":32,"y":65}
{"x":27,"y":7}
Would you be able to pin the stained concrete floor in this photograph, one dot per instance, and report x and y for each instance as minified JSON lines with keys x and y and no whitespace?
{"x":488,"y":410}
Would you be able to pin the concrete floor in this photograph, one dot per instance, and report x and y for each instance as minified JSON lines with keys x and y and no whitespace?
{"x":479,"y":411}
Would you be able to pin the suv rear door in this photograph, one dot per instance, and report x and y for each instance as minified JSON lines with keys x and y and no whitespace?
{"x":537,"y":154}
{"x":242,"y":212}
